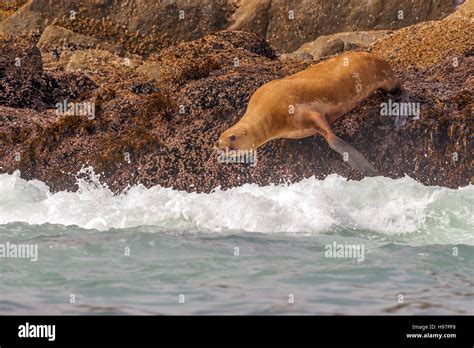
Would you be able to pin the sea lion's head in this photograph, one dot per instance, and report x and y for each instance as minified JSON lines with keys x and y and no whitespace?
{"x":237,"y":137}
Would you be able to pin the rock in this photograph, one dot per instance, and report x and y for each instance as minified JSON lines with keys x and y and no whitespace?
{"x":19,"y":58}
{"x":145,"y":27}
{"x":23,"y":144}
{"x":289,"y":24}
{"x":162,"y":133}
{"x":332,"y":46}
{"x":252,"y":16}
{"x":55,"y":40}
{"x":327,"y":45}
{"x":464,"y":9}
{"x":21,"y":68}
{"x":24,"y":83}
{"x":435,"y":41}
{"x":138,"y":27}
{"x":102,"y":65}
{"x":7,"y":8}
{"x":195,"y":60}
{"x":296,"y":55}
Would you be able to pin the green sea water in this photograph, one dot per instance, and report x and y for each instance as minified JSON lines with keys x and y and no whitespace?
{"x":249,"y":250}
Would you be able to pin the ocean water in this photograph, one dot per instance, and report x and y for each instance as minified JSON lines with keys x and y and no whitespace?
{"x":409,"y":249}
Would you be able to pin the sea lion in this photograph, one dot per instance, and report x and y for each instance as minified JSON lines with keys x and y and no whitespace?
{"x":310,"y":101}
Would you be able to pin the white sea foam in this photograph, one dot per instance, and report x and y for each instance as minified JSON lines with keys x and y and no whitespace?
{"x":401,"y":207}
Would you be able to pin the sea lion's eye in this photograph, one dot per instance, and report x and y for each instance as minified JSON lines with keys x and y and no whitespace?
{"x":232,"y":137}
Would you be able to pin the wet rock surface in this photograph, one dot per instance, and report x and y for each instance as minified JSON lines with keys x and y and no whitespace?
{"x":157,"y":117}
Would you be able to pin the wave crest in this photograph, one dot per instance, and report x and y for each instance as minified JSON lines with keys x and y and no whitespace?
{"x":400,"y":207}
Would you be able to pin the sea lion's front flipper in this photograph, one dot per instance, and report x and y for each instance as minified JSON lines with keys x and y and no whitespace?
{"x":355,"y":159}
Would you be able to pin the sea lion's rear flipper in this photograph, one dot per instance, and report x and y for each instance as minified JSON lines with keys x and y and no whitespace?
{"x":399,"y":94}
{"x":350,"y":155}
{"x":355,"y":159}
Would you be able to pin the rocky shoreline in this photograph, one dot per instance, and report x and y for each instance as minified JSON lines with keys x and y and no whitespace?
{"x":158,"y":112}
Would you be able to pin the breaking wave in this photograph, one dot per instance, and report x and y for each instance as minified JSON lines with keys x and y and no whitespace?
{"x":400,"y":207}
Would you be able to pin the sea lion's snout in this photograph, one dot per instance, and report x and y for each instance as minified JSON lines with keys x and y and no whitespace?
{"x":235,"y":138}
{"x":222,"y":145}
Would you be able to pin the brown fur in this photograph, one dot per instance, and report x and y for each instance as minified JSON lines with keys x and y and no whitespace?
{"x":309,"y":102}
